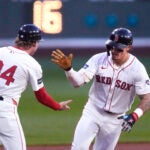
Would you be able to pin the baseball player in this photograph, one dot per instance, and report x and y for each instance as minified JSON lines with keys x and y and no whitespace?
{"x":17,"y":69}
{"x":118,"y":77}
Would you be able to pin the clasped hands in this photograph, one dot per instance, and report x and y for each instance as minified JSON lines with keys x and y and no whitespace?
{"x":63,"y":61}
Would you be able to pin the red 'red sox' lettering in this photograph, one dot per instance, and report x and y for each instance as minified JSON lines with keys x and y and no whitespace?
{"x":119,"y":84}
{"x":123,"y":85}
{"x":105,"y":80}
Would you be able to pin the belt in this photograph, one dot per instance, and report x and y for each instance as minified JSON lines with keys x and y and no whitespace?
{"x":1,"y":98}
{"x":109,"y":112}
{"x":12,"y":101}
{"x":112,"y":113}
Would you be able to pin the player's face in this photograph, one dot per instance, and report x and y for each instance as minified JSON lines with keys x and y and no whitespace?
{"x":119,"y":55}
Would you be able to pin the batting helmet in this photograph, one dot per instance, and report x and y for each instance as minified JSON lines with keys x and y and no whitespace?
{"x":29,"y":33}
{"x":119,"y":39}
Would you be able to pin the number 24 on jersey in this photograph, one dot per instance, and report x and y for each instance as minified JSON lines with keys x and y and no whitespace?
{"x":8,"y":73}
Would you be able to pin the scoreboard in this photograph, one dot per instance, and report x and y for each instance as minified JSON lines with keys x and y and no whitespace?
{"x":87,"y":18}
{"x":48,"y":16}
{"x":75,"y":19}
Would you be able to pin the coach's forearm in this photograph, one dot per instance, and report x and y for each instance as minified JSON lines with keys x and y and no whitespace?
{"x":44,"y":98}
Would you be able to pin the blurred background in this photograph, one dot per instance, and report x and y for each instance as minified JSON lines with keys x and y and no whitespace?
{"x":80,"y":27}
{"x":76,"y":23}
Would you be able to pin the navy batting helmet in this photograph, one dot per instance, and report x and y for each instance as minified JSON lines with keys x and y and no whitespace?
{"x":119,"y":39}
{"x":29,"y":33}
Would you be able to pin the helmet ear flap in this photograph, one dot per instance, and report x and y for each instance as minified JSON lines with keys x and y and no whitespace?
{"x":110,"y":45}
{"x":112,"y":37}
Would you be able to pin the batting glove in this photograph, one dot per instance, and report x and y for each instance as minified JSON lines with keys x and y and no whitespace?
{"x":128,"y":121}
{"x":63,"y":61}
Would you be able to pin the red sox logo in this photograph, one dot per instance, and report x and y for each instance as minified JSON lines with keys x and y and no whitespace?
{"x":119,"y":84}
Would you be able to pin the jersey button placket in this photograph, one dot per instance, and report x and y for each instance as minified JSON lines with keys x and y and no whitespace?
{"x":111,"y":91}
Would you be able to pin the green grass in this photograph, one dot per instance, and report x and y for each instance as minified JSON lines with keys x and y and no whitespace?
{"x":43,"y":126}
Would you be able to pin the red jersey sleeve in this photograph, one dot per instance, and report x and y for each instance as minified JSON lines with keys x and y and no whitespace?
{"x":44,"y":98}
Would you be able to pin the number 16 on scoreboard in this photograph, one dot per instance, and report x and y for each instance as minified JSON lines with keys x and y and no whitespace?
{"x":47,"y":16}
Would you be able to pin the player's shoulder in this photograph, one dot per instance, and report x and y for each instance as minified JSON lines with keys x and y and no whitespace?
{"x":100,"y":55}
{"x":98,"y":58}
{"x":136,"y":62}
{"x":24,"y":58}
{"x":31,"y":61}
{"x":2,"y":49}
{"x":136,"y":59}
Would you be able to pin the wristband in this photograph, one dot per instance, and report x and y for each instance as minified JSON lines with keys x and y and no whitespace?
{"x":68,"y":68}
{"x":139,"y":112}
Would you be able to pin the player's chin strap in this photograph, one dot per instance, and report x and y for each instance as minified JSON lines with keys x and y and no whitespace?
{"x":110,"y":45}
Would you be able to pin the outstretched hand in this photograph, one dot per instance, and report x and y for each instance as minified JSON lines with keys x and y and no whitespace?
{"x":64,"y":105}
{"x":128,"y":121}
{"x":63,"y":61}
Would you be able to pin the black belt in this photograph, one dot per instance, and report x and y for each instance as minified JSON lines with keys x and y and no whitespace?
{"x":109,"y":112}
{"x":8,"y":100}
{"x":1,"y":98}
